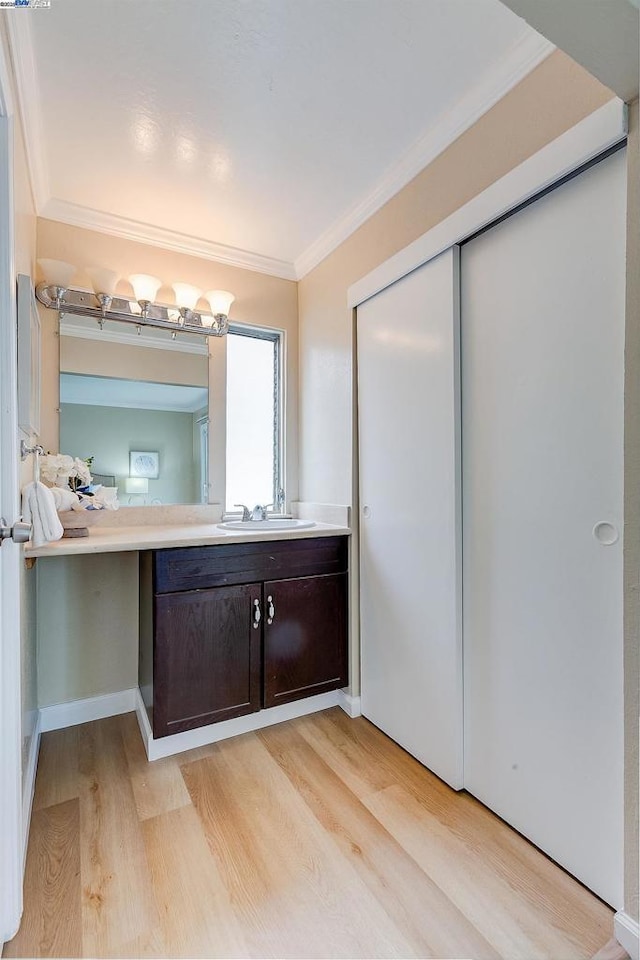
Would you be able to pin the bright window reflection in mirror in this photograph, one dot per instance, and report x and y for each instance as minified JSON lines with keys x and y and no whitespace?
{"x":253,"y":419}
{"x":121,"y":394}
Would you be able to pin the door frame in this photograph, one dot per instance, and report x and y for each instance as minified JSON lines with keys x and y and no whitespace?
{"x":11,"y":826}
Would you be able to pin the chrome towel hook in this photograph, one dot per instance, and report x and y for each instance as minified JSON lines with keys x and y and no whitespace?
{"x":37,"y":450}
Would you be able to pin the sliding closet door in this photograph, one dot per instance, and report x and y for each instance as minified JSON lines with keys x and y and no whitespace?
{"x":542,"y":435}
{"x":408,"y":387}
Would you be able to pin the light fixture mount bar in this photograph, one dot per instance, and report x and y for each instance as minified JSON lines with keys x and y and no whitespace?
{"x":85,"y":304}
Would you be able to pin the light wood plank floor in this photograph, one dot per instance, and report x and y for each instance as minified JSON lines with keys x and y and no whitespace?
{"x":315,"y":838}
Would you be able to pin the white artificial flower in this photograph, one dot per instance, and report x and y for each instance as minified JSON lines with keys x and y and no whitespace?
{"x":48,"y":471}
{"x":56,"y":469}
{"x":81,"y":471}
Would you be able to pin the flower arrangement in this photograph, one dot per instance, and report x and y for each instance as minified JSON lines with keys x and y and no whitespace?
{"x":72,"y":485}
{"x":61,"y":470}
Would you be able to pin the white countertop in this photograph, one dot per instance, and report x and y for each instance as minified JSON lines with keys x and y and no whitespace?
{"x":124,"y":539}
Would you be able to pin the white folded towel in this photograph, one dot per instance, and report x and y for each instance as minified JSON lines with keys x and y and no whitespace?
{"x":104,"y":498}
{"x":39,"y":509}
{"x":65,"y":499}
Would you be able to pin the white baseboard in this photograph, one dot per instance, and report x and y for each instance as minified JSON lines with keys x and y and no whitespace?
{"x":143,"y":722}
{"x":625,"y":930}
{"x":60,"y":715}
{"x":350,"y":705}
{"x":202,"y":736}
{"x":29,"y":786}
{"x":70,"y":714}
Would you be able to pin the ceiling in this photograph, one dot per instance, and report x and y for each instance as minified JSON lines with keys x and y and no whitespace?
{"x":261,"y":132}
{"x":131,"y":394}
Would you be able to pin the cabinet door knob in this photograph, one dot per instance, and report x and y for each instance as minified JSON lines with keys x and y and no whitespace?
{"x":271,"y":610}
{"x":257,"y":615}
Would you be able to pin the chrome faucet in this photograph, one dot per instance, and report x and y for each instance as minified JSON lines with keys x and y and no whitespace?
{"x":259,"y":512}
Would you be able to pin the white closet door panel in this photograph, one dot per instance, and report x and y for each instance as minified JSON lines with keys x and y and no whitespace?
{"x":408,"y":388}
{"x":542,"y":436}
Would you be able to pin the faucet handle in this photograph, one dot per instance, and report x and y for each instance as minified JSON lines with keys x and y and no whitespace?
{"x":259,"y":512}
{"x":246,"y":513}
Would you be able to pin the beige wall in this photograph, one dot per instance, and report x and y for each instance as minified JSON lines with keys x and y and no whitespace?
{"x":98,"y":359}
{"x":261,"y":300}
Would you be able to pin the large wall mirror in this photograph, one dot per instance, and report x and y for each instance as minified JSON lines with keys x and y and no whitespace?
{"x":139,"y":405}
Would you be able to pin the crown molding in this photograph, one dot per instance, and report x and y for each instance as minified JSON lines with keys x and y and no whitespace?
{"x":25,"y":73}
{"x":523,"y":56}
{"x":116,"y":226}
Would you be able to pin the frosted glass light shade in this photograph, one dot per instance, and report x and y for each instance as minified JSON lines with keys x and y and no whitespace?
{"x":186,"y":295}
{"x":145,"y":287}
{"x":102,"y":280}
{"x":220,"y":302}
{"x":57,"y":273}
{"x":136,"y":485}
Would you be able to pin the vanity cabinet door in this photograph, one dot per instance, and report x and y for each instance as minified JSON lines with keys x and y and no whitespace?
{"x":206,"y":657}
{"x":305,"y":637}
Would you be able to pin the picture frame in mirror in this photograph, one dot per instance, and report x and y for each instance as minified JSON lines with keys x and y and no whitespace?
{"x":144,"y":463}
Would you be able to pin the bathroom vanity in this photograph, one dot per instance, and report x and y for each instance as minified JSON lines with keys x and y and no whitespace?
{"x":230,"y":629}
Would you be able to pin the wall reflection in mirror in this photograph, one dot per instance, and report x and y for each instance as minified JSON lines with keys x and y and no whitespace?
{"x":139,"y":406}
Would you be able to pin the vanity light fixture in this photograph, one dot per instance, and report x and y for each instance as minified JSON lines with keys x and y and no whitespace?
{"x":58,"y":276}
{"x":145,"y":289}
{"x":186,"y":297}
{"x":104,"y":284}
{"x":103,"y":304}
{"x":220,"y":302}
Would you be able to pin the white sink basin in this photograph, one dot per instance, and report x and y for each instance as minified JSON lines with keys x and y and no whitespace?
{"x":266,"y":525}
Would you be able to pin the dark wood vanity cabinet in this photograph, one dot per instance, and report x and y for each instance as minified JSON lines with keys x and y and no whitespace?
{"x":226,"y":630}
{"x":305,"y":637}
{"x":206,"y":659}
